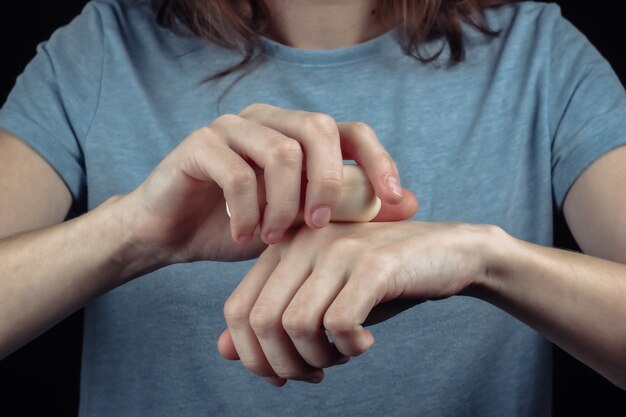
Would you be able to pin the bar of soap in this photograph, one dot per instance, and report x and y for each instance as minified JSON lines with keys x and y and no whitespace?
{"x":358,"y":202}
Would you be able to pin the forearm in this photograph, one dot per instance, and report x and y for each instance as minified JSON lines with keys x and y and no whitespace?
{"x":47,"y":274}
{"x":575,"y":300}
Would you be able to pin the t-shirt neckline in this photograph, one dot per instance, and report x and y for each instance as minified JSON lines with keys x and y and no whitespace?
{"x":327,"y":57}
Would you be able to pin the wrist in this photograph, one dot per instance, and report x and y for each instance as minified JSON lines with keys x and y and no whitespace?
{"x":127,"y":255}
{"x":498,"y":250}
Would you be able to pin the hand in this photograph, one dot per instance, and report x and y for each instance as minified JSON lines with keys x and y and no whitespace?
{"x":179,"y":214}
{"x":333,"y":280}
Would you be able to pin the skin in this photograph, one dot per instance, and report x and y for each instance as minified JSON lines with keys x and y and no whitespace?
{"x":323,"y":24}
{"x":177,"y":215}
{"x":334,"y":279}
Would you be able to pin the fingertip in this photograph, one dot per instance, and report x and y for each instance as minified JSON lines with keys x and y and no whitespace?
{"x":416,"y":202}
{"x":244,"y":222}
{"x":356,"y":343}
{"x":320,"y":217}
{"x":275,"y":380}
{"x":402,"y":210}
{"x":389,"y":190}
{"x":316,"y":377}
{"x":239,"y":234}
{"x":242,"y":239}
{"x":362,"y":343}
{"x":226,"y":347}
{"x":368,"y":340}
{"x":410,"y":202}
{"x":245,"y":235}
{"x":341,"y":361}
{"x":273,"y":237}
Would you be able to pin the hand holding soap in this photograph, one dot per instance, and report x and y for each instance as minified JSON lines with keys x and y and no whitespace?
{"x":358,"y":203}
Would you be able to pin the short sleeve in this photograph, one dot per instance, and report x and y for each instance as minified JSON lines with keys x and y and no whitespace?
{"x":55,"y":99}
{"x":586,"y":105}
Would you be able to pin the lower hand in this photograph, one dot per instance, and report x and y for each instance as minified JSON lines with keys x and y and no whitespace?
{"x":335,"y":279}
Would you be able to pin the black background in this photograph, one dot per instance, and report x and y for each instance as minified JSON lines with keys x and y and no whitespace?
{"x":42,"y":378}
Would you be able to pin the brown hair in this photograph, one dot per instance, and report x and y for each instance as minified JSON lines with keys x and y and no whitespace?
{"x":239,"y":24}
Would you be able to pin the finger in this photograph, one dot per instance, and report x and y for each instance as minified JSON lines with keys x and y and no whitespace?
{"x":360,"y":142}
{"x":303,"y":318}
{"x":319,"y":137}
{"x":226,"y":346}
{"x":211,"y":160}
{"x":227,"y":349}
{"x":280,"y":158}
{"x":407,"y":208}
{"x":237,"y":313}
{"x":365,"y":288}
{"x":266,"y":319}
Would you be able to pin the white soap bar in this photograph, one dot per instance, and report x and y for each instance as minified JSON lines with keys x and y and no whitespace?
{"x":358,"y":203}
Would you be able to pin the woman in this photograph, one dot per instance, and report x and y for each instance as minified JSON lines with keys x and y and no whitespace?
{"x":531,"y":118}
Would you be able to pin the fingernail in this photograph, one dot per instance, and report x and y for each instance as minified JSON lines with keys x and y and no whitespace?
{"x":394,"y":184}
{"x":275,"y":236}
{"x":321,"y":216}
{"x":244,"y":238}
{"x":275,"y":380}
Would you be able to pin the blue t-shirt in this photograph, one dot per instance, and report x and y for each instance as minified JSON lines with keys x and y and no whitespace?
{"x":498,"y":138}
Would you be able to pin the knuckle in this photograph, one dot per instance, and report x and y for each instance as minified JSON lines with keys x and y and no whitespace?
{"x":236,"y":311}
{"x":337,"y":321}
{"x":491,"y":229}
{"x":263,"y":320}
{"x":298,"y":324}
{"x":363,"y":130}
{"x":226,"y":120}
{"x":321,"y":124}
{"x":345,"y":247}
{"x":287,"y":152}
{"x":240,"y":179}
{"x":205,"y":134}
{"x":253,"y":108}
{"x":375,"y":268}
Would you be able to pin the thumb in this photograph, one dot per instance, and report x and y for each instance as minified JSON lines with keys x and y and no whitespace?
{"x":406,"y":208}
